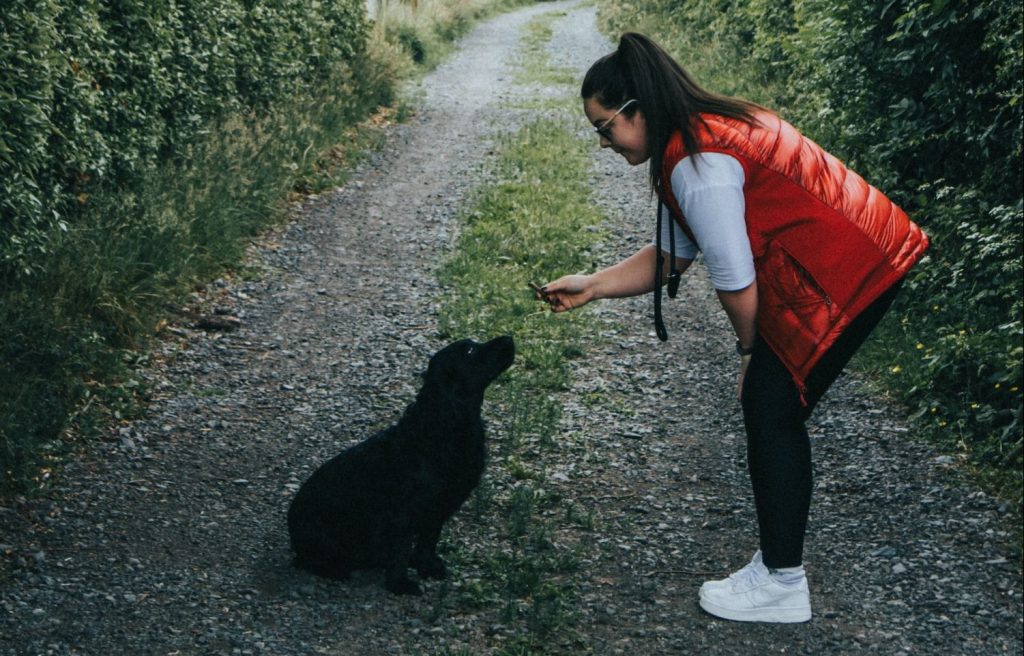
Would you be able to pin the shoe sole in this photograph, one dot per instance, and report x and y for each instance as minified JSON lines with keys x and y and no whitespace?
{"x":775,"y":615}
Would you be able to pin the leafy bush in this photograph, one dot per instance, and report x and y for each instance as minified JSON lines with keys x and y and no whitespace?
{"x":26,"y":92}
{"x":95,"y":94}
{"x":923,"y":98}
{"x":142,"y":142}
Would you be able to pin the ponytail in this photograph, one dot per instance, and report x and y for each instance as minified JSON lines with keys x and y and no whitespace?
{"x":669,"y":98}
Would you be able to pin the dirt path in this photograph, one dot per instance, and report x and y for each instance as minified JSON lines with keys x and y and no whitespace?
{"x":169,"y":538}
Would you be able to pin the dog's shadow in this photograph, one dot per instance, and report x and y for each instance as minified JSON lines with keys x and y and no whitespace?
{"x":275,"y":576}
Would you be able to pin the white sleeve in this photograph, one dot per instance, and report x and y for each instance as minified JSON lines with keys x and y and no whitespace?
{"x":710,"y":194}
{"x":685,"y":249}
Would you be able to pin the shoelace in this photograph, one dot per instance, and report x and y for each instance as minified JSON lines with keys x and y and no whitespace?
{"x":748,"y":577}
{"x":749,"y":573}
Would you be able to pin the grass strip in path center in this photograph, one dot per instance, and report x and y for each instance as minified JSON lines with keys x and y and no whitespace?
{"x":531,"y":222}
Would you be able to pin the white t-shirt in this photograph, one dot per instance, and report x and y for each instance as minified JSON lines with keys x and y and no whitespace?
{"x":710,"y":194}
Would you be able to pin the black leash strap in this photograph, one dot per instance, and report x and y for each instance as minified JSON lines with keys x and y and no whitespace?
{"x":659,"y":265}
{"x":673,"y":274}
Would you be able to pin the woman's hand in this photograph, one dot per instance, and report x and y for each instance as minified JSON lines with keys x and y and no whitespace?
{"x":568,"y":292}
{"x":633,"y":275}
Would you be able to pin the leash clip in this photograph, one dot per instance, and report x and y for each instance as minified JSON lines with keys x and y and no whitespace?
{"x":673,"y":283}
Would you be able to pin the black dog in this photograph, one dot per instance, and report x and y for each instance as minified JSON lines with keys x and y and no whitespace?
{"x":369,"y":505}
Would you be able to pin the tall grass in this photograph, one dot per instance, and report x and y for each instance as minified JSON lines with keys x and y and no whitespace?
{"x":705,"y":44}
{"x":426,"y":33}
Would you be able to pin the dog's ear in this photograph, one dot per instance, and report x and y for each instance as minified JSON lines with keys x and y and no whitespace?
{"x":440,"y":372}
{"x":443,"y":377}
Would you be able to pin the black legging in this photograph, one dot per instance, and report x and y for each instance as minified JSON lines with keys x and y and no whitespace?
{"x":778,"y":447}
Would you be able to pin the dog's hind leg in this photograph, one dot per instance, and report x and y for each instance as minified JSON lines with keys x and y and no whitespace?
{"x":425,"y":559}
{"x":396,"y":569}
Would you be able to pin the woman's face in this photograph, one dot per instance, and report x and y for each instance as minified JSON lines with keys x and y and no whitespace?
{"x":626,"y":135}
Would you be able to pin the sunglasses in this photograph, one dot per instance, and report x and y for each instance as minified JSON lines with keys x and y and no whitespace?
{"x":605,"y":129}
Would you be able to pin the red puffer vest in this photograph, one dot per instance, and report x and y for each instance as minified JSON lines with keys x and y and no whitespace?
{"x":826,"y":244}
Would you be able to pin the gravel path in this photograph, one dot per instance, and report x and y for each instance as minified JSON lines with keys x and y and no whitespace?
{"x":169,"y":537}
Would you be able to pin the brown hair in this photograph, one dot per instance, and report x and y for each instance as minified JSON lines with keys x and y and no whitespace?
{"x":666,"y":94}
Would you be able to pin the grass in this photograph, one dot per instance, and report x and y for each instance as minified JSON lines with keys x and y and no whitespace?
{"x":426,"y":34}
{"x":72,"y":334}
{"x":526,"y":227}
{"x":535,"y":67}
{"x":531,"y":222}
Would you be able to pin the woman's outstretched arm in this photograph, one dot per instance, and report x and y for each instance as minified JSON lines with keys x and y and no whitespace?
{"x":630,"y":277}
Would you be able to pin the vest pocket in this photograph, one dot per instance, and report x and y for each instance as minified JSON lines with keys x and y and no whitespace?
{"x":792,"y":301}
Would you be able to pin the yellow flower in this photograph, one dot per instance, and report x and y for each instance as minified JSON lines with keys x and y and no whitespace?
{"x":920,"y":346}
{"x":896,"y":369}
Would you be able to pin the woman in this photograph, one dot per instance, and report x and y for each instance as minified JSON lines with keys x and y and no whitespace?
{"x":805,"y":256}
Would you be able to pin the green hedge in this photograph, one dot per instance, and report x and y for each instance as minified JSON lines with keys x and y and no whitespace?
{"x":923,"y":98}
{"x":143,"y":141}
{"x":92,"y":94}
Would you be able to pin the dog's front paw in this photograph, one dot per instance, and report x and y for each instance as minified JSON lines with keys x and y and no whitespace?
{"x":402,"y":586}
{"x":431,"y":567}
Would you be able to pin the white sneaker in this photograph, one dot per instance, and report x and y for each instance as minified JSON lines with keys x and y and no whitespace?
{"x":735,"y":576}
{"x":755,"y":595}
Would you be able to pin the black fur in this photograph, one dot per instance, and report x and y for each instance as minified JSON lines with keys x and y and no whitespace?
{"x":382,"y":502}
